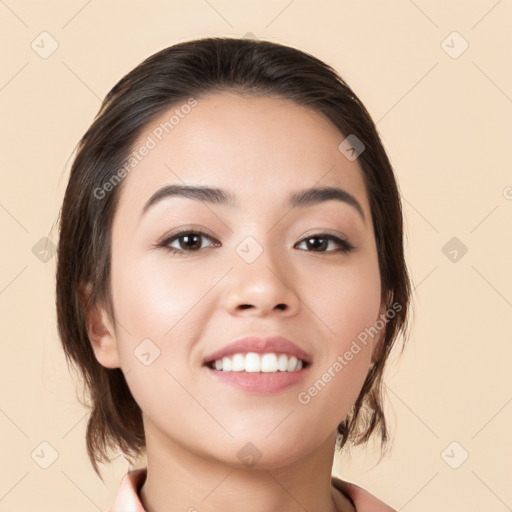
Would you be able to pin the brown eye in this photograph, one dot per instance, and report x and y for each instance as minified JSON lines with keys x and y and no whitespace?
{"x":190,"y":242}
{"x":185,"y":241}
{"x":320,"y":242}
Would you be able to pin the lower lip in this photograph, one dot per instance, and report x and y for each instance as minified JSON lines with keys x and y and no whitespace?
{"x":260,"y":382}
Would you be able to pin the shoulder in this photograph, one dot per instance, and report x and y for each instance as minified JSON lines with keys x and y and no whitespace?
{"x":363,"y":500}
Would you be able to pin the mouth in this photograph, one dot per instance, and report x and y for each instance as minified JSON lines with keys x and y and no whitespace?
{"x":259,"y":366}
{"x":259,"y":374}
{"x":252,"y":362}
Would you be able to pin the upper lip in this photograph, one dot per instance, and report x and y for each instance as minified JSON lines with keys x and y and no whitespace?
{"x":260,"y":345}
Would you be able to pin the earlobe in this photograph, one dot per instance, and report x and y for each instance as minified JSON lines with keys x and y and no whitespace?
{"x":100,"y":331}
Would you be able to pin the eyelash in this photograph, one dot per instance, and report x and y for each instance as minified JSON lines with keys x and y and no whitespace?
{"x":345,"y":245}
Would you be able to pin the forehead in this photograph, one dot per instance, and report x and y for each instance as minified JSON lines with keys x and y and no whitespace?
{"x":259,"y":148}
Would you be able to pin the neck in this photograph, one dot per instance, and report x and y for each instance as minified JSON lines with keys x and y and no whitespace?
{"x":178,"y":479}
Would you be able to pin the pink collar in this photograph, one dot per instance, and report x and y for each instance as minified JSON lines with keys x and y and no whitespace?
{"x":127,"y":499}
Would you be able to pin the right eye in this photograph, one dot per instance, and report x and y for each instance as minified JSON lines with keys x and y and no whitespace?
{"x":188,"y":241}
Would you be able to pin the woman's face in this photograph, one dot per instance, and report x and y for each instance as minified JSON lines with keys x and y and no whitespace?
{"x":257,"y":267}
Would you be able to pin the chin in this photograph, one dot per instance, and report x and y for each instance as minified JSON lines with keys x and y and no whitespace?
{"x":260,"y":453}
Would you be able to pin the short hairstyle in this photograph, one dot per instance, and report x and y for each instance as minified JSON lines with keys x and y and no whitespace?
{"x":167,"y":78}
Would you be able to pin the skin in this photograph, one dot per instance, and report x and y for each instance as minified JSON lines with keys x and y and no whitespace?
{"x":260,"y":149}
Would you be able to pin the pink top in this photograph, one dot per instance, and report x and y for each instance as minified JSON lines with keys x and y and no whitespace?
{"x":127,"y":499}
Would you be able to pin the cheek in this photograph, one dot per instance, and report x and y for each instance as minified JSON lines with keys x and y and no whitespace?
{"x":347,"y":314}
{"x":152,"y":298}
{"x":347,"y":302}
{"x":156,"y":309}
{"x":346,"y":299}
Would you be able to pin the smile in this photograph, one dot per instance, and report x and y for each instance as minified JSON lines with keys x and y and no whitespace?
{"x":260,"y":374}
{"x":253,"y":362}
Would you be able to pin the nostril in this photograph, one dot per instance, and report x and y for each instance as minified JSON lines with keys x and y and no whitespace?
{"x":246,"y":306}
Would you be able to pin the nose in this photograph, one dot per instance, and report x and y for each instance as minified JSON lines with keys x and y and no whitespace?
{"x":263,"y":287}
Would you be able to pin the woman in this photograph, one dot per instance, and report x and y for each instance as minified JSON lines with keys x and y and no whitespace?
{"x":231,"y":279}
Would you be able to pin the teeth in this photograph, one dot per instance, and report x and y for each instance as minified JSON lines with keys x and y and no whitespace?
{"x":292,"y":363}
{"x":282,"y":363}
{"x":269,"y":363}
{"x":238,"y":363}
{"x":254,"y":363}
{"x":226,"y":364}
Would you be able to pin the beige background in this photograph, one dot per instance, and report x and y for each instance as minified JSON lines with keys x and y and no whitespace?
{"x":445,"y":119}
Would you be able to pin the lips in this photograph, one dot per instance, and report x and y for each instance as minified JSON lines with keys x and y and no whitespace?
{"x":275,"y":344}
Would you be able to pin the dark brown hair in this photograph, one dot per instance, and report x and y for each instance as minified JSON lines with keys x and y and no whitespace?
{"x":167,"y":78}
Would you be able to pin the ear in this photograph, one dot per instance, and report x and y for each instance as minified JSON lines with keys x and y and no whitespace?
{"x":378,"y":341}
{"x":100,"y":330}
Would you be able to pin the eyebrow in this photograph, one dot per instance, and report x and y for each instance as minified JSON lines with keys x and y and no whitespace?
{"x":212,"y":195}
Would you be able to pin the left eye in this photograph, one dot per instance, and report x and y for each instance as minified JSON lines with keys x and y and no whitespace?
{"x":312,"y":241}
